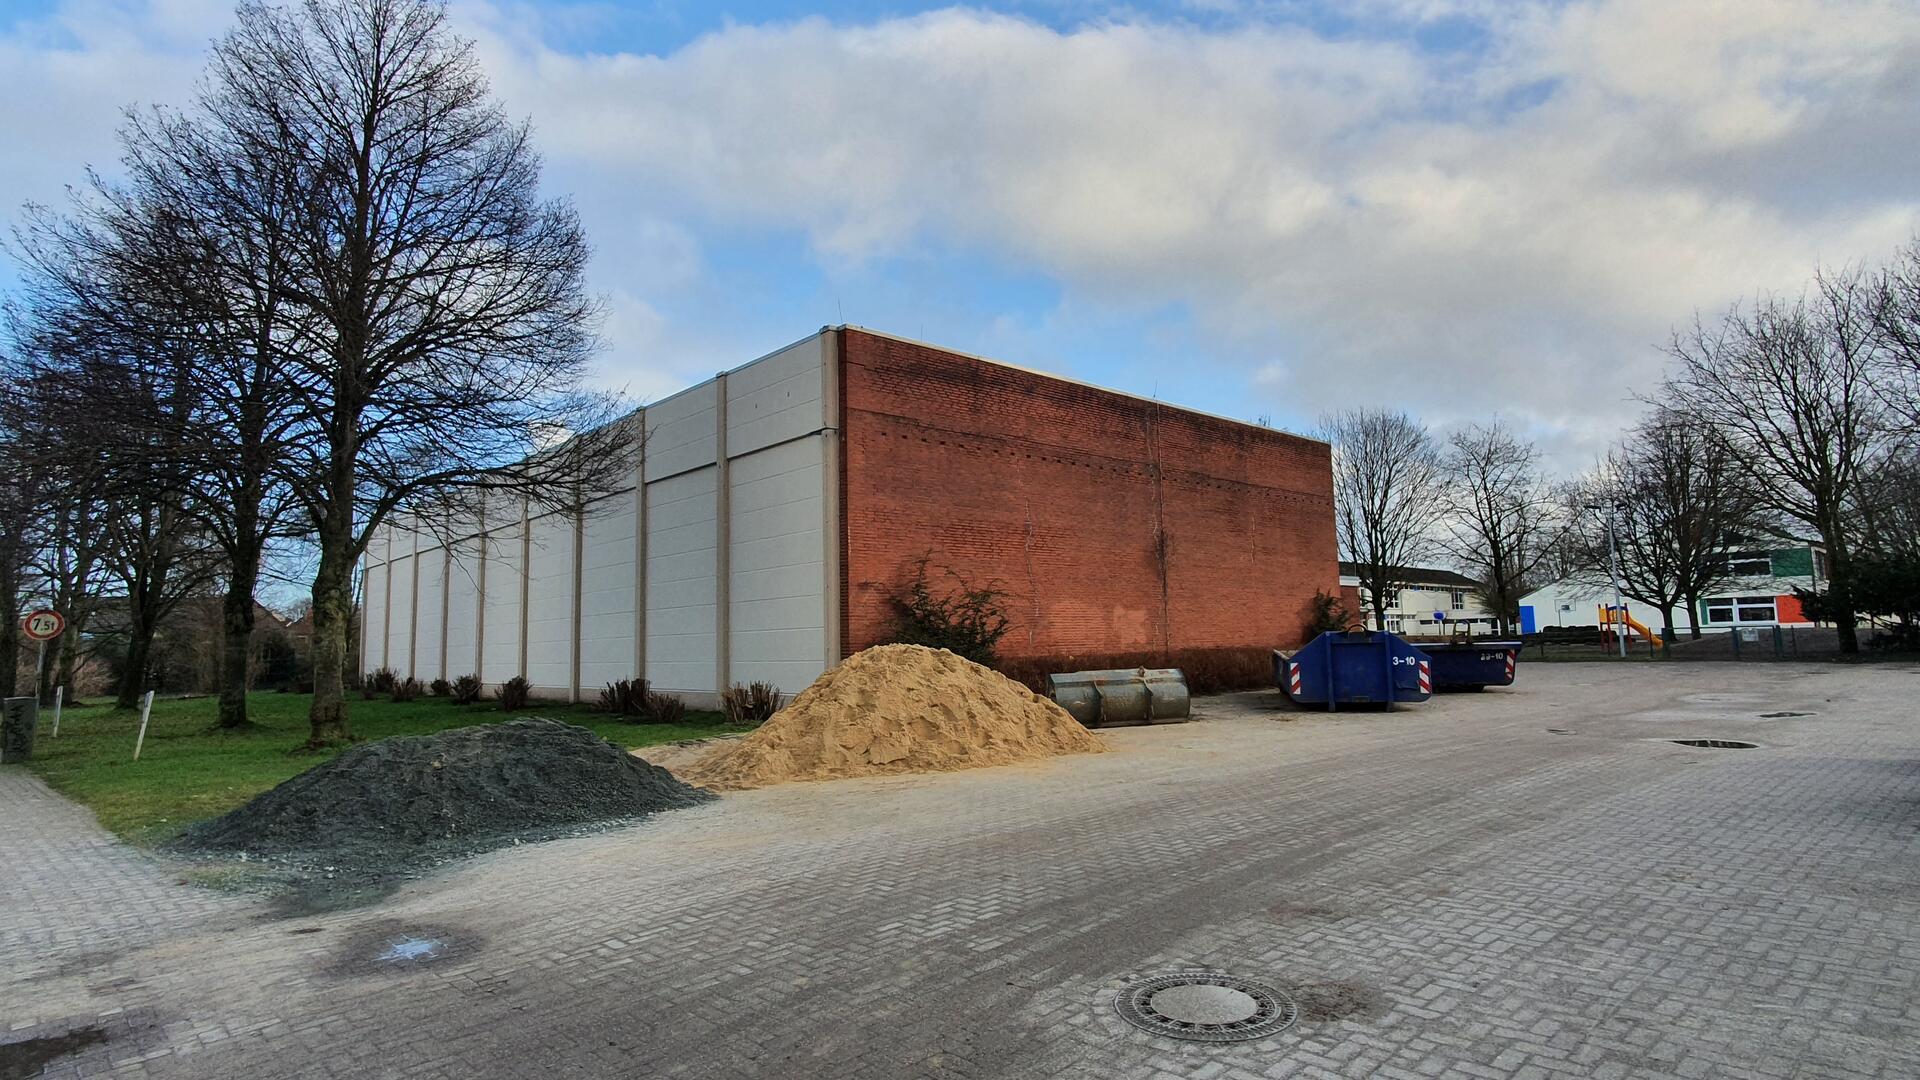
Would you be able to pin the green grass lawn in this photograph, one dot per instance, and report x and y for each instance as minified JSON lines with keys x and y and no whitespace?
{"x":188,"y":772}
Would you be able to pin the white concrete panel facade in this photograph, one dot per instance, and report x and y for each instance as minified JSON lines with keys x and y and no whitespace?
{"x":681,"y":566}
{"x":717,"y":569}
{"x":501,"y":628}
{"x":428,"y":641}
{"x":400,"y":615}
{"x":463,"y":609}
{"x":550,"y":605}
{"x":608,"y":575}
{"x":778,"y":566}
{"x":373,"y":628}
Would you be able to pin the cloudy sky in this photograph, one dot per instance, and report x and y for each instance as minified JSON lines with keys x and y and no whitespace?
{"x":1458,"y":207}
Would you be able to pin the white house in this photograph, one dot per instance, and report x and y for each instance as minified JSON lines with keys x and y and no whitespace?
{"x":1431,"y":602}
{"x":1758,"y":591}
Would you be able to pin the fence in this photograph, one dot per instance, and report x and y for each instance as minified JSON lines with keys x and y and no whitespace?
{"x":1750,"y":643}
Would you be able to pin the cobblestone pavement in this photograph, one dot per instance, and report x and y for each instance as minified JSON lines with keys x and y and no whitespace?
{"x":1529,"y":883}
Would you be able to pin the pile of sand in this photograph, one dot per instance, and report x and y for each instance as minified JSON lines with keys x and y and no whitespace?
{"x":896,"y":709}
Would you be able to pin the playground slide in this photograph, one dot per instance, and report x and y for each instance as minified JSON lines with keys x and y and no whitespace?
{"x":1633,"y":624}
{"x":1636,"y":626}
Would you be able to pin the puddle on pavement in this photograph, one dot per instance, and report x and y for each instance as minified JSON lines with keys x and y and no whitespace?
{"x":390,"y":946}
{"x":407,"y":949}
{"x":30,"y":1057}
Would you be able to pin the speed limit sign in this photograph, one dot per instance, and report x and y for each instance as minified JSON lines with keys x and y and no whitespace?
{"x":43,"y":625}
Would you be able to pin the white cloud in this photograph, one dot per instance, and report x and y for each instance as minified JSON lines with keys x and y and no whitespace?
{"x":1383,"y":223}
{"x":1514,"y":228}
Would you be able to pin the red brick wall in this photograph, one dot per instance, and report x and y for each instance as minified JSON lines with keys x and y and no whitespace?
{"x":1350,"y":599}
{"x":1062,"y":494}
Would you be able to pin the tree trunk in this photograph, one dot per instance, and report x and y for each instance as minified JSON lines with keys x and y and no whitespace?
{"x":332,"y":612}
{"x":1667,"y":632}
{"x":66,"y":665}
{"x":1693,"y":616}
{"x":1840,"y":589}
{"x":9,"y":636}
{"x":236,"y":644}
{"x":133,"y":679}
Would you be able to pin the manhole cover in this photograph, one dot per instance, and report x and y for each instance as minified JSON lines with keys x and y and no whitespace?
{"x":1718,"y":744}
{"x":1205,"y":1006}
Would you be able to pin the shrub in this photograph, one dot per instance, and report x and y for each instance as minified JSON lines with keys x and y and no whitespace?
{"x":1327,"y":611}
{"x":514,"y":694}
{"x":750,"y":705}
{"x":466,"y":689}
{"x":407,"y":689}
{"x":961,"y":617}
{"x":1208,"y":671}
{"x":381,"y":680}
{"x":1900,"y":637}
{"x":634,"y":699}
{"x":440,"y":688}
{"x":628,"y":697}
{"x":664,"y":709}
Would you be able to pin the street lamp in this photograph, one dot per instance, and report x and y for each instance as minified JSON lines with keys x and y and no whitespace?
{"x":1613,"y":572}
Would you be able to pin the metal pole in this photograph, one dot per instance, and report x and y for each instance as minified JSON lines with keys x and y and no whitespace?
{"x":146,"y":709}
{"x":40,"y":670}
{"x":1613,"y":571}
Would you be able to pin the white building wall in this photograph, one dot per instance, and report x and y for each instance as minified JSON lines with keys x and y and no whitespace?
{"x":373,"y":628}
{"x":758,"y":608}
{"x":608,"y":575}
{"x":400,"y":617}
{"x":681,"y":568}
{"x":778,"y":566}
{"x":463,"y":609}
{"x":550,"y":605}
{"x":428,"y":638}
{"x":500,"y":646}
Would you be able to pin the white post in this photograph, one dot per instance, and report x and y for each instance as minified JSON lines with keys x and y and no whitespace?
{"x":59,"y":693}
{"x":146,"y":709}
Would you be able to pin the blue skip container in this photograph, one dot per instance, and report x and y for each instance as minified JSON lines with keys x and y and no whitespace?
{"x":1473,"y":665}
{"x":1358,"y":667}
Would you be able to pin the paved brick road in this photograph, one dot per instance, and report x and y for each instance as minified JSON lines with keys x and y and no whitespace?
{"x":1449,"y":890}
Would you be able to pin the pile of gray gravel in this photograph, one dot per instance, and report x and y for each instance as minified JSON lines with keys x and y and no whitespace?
{"x":387,"y":808}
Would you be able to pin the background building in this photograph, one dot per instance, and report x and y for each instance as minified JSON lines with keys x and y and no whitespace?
{"x":780,"y":505}
{"x":1758,"y":590}
{"x":1431,"y":602}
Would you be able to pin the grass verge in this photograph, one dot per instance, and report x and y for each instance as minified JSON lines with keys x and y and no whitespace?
{"x":188,"y":772}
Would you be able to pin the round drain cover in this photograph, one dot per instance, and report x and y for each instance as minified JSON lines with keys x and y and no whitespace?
{"x":1205,"y":1006}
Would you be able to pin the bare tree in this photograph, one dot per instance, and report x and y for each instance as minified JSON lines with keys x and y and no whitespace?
{"x":67,"y":534}
{"x":202,"y":227}
{"x":1887,"y":510}
{"x":1388,"y":495}
{"x":1788,"y":387}
{"x":444,"y":330}
{"x":1505,"y":519}
{"x":1672,"y":497}
{"x":1895,"y":309}
{"x":19,"y":521}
